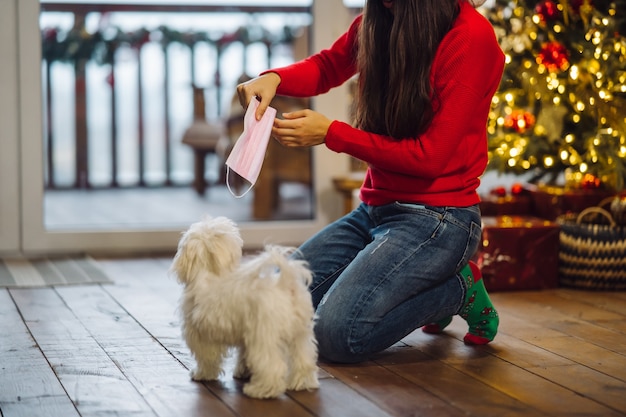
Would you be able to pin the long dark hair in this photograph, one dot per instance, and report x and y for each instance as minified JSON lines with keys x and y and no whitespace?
{"x":396,"y":51}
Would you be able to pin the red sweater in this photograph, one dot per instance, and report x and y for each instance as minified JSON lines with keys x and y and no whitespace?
{"x":442,"y":166}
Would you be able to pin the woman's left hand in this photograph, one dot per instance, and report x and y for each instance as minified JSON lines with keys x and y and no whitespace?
{"x":301,"y":128}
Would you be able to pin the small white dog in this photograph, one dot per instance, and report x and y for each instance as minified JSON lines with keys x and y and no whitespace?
{"x":260,"y":306}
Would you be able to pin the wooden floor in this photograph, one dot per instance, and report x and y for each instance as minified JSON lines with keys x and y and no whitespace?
{"x":116,"y":350}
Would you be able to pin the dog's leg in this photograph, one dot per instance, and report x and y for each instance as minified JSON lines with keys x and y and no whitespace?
{"x":209,"y":362}
{"x":241,"y":368}
{"x":303,"y":353}
{"x":267,"y":364}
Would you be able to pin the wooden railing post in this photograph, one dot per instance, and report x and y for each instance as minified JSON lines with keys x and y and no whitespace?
{"x":49,"y":128}
{"x":140,"y":125}
{"x":114,"y":148}
{"x":82,"y":152}
{"x":166,"y":116}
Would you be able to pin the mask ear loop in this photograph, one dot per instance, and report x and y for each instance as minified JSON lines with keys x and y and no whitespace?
{"x":229,"y":187}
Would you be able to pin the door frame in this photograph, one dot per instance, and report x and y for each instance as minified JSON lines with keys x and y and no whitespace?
{"x":9,"y":178}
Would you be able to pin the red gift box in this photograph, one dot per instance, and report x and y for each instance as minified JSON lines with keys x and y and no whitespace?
{"x":492,"y":205}
{"x":549,"y":202}
{"x":519,"y":253}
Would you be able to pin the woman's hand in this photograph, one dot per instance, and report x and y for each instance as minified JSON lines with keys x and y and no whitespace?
{"x":263,"y":88}
{"x":301,"y":128}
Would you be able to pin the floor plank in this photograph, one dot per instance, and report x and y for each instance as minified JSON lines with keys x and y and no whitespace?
{"x":116,"y":349}
{"x":158,"y":376}
{"x":334,"y":398}
{"x":607,"y":300}
{"x":561,"y":345}
{"x":92,"y":379}
{"x":452,"y":385}
{"x":28,"y":386}
{"x":543,"y":314}
{"x":483,"y":363}
{"x":392,"y":392}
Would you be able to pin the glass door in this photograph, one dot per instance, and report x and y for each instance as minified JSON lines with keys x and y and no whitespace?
{"x":83,"y":219}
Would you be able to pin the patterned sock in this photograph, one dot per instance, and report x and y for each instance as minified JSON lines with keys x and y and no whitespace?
{"x":438,"y":326}
{"x":478,"y":311}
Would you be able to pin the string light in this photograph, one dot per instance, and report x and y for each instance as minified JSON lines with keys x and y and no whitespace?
{"x":566,"y":108}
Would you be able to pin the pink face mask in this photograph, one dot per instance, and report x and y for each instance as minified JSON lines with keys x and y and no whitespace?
{"x":248,"y":154}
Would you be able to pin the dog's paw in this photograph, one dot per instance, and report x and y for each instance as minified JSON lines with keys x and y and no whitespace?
{"x":263,"y":391}
{"x":304,"y":382}
{"x":198,"y":374}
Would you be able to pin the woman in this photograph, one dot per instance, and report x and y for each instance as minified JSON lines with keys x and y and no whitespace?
{"x":428,"y":70}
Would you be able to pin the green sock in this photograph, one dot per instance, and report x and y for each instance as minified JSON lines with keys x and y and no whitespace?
{"x":477,"y":311}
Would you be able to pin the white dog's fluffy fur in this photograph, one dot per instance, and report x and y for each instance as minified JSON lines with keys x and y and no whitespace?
{"x":260,"y":306}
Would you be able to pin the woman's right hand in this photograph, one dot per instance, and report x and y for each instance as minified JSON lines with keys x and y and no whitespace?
{"x":263,"y":88}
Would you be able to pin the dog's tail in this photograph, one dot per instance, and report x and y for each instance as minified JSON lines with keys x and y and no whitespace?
{"x":284,"y":265}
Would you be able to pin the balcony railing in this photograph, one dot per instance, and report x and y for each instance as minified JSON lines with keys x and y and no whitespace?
{"x":118,"y":82}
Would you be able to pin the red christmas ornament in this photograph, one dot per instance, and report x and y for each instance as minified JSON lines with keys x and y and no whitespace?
{"x":554,"y":56}
{"x":590,"y":182}
{"x":517,"y":189}
{"x":547,"y":11}
{"x":519,"y":121}
{"x":498,"y":191}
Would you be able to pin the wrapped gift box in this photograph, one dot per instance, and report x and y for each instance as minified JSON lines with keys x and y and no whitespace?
{"x":519,"y":253}
{"x":550,"y":202}
{"x":492,"y":205}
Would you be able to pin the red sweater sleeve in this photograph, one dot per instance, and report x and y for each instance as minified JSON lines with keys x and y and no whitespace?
{"x":441,"y":166}
{"x":322,"y":71}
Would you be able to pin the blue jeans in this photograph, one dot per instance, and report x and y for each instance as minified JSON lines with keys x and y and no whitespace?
{"x":381,"y":272}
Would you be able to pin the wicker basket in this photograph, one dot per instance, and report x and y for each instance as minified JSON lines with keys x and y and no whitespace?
{"x":592,"y":255}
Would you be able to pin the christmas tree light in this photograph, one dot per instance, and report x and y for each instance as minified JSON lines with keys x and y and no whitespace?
{"x":560,"y":111}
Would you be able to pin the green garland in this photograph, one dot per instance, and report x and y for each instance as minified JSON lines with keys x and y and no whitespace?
{"x":77,"y":44}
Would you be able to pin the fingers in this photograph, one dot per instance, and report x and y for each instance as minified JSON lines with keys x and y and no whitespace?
{"x":283,"y":131}
{"x":262,"y":88}
{"x":246,"y":93}
{"x":287,"y":123}
{"x":263,"y":105}
{"x":295,"y":114}
{"x":299,"y":129}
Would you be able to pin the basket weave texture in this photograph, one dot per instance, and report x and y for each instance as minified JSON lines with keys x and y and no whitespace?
{"x":592,"y":255}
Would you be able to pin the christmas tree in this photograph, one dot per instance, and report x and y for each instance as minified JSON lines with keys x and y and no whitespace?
{"x":559,"y":115}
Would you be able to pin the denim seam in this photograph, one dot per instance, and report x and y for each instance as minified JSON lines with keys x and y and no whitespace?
{"x":464,"y":290}
{"x":329,"y":277}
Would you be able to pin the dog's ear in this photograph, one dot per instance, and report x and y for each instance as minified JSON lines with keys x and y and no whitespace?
{"x":185,"y":259}
{"x":207,"y":251}
{"x":212,"y":246}
{"x":222,"y":254}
